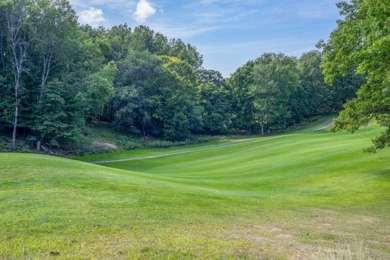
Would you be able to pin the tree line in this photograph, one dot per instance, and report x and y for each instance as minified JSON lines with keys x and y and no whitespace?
{"x":57,"y":77}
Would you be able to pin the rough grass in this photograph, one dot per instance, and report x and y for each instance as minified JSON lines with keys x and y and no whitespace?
{"x":303,"y":195}
{"x":102,"y":133}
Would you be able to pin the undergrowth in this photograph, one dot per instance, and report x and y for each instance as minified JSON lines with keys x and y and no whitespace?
{"x":102,"y":139}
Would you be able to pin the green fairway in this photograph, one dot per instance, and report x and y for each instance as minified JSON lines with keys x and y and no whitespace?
{"x":304,"y":194}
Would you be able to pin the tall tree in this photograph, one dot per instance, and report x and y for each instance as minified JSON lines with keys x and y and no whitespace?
{"x":313,"y":97}
{"x":215,"y":100}
{"x":17,"y":41}
{"x":242,"y":104}
{"x":181,"y":113}
{"x":186,"y":52}
{"x":276,"y":77}
{"x":155,"y":96}
{"x":52,"y":23}
{"x":99,"y":90}
{"x":142,"y":39}
{"x":119,"y":39}
{"x":362,"y":42}
{"x":61,"y":119}
{"x":137,"y":94}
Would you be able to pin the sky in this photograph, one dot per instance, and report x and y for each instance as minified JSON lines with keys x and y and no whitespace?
{"x":228,"y":33}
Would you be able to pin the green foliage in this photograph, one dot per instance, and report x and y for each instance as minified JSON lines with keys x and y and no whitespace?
{"x":275,"y":78}
{"x":119,"y":40}
{"x":186,"y":53}
{"x":119,"y":140}
{"x":142,"y":83}
{"x":313,"y":97}
{"x":59,"y":122}
{"x":99,"y":89}
{"x":262,"y":91}
{"x":243,"y":112}
{"x":215,"y":99}
{"x":362,"y":42}
{"x":154,"y":96}
{"x":136,"y":89}
{"x":177,"y":128}
{"x":6,"y":103}
{"x":180,"y":112}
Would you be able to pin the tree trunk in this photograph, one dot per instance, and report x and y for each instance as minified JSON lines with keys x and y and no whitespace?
{"x":16,"y":112}
{"x":18,"y":51}
{"x":142,"y":125}
{"x":47,"y":59}
{"x":15,"y":124}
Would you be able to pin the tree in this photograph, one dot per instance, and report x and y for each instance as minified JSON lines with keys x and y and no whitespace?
{"x":362,"y":42}
{"x":99,"y":90}
{"x":52,"y":22}
{"x":119,"y":40}
{"x":137,"y":94}
{"x":276,"y":77}
{"x":215,"y":100}
{"x":186,"y":53}
{"x":17,"y":41}
{"x":318,"y":94}
{"x":242,"y":104}
{"x":142,"y":39}
{"x":155,"y":96}
{"x":52,"y":25}
{"x":61,"y":121}
{"x":178,"y":103}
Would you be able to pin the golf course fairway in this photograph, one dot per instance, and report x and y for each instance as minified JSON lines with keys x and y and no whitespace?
{"x":298,"y":195}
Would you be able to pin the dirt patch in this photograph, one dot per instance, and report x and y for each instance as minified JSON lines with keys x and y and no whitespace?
{"x":104,"y":145}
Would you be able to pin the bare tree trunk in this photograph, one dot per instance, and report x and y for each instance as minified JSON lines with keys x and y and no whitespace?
{"x":47,"y":60}
{"x":16,"y":115}
{"x":18,"y":48}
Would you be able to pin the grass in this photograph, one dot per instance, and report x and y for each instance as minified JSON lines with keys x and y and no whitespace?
{"x":301,"y":195}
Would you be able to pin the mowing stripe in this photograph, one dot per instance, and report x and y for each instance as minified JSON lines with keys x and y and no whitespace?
{"x":261,"y":139}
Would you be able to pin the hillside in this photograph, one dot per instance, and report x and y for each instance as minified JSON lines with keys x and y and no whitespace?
{"x":303,"y":194}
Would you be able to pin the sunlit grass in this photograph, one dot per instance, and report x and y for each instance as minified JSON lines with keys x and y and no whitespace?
{"x":297,"y":195}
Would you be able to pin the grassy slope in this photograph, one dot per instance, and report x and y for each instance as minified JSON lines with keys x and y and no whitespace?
{"x":288,"y":196}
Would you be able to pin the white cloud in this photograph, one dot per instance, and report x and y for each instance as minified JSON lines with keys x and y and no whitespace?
{"x":183,"y":32}
{"x":143,"y":11}
{"x":92,"y":16}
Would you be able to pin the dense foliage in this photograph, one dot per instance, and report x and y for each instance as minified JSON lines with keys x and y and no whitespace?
{"x":58,"y":77}
{"x":276,"y":91}
{"x":362,"y":42}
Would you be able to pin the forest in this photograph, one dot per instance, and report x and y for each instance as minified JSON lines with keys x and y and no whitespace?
{"x":59,"y":77}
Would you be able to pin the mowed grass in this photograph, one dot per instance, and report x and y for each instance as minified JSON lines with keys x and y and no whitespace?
{"x":305,"y":195}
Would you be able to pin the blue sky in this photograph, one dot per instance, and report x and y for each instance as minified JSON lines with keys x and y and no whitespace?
{"x":227,"y":33}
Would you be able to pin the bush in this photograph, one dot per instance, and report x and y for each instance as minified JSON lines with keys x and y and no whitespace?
{"x":132,"y":144}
